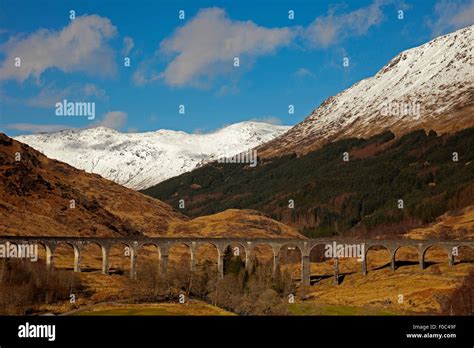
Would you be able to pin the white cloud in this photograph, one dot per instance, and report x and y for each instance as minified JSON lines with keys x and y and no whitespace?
{"x":153,"y":117}
{"x":91,"y":90}
{"x":303,"y":72}
{"x":207,"y":44}
{"x":133,"y":130}
{"x":145,"y":74}
{"x":229,"y":89}
{"x":451,"y":15}
{"x":198,"y":131}
{"x":268,"y":119}
{"x":80,"y":46}
{"x":128,"y":45}
{"x":51,"y":94}
{"x":333,"y":28}
{"x":113,"y":119}
{"x":37,"y":128}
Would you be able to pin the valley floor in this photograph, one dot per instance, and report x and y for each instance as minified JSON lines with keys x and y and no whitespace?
{"x":405,"y":291}
{"x":191,"y":308}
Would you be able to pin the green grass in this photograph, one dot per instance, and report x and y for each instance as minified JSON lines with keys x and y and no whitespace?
{"x":165,"y":309}
{"x":315,"y":309}
{"x":129,"y":312}
{"x":294,"y":309}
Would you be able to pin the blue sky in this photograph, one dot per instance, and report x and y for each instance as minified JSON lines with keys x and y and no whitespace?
{"x":190,"y":61}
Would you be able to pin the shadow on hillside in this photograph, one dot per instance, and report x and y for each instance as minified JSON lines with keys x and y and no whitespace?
{"x":315,"y":279}
{"x":380,"y":267}
{"x":399,"y":264}
{"x":91,"y":270}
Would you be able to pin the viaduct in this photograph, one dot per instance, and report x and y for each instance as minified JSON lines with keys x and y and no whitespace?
{"x":277,"y":244}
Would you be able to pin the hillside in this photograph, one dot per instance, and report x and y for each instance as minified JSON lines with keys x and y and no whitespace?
{"x":332,"y":196}
{"x":429,"y":87}
{"x":235,"y":223}
{"x":36,"y":194}
{"x":141,"y":160}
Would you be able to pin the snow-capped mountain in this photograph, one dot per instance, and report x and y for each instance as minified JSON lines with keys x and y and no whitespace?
{"x":430,"y":87}
{"x":141,"y":160}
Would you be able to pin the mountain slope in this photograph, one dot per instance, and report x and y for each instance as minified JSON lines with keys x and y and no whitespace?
{"x":430,"y":87}
{"x":141,"y":160}
{"x":36,"y":194}
{"x":332,"y":196}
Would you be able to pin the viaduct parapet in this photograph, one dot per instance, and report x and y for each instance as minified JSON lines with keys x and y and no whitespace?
{"x":305,"y":246}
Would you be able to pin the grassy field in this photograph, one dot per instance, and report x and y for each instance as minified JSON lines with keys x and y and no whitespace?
{"x":202,"y":309}
{"x":377,"y":293}
{"x":314,"y":309}
{"x":190,"y":308}
{"x":382,"y":291}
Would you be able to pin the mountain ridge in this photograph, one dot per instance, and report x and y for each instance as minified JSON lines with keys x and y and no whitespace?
{"x":141,"y":160}
{"x":435,"y":80}
{"x":322,"y":194}
{"x":41,"y":196}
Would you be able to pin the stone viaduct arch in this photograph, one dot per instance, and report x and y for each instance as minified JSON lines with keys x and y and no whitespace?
{"x":164,"y":244}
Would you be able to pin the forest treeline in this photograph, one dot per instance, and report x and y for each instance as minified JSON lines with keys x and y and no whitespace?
{"x":381,"y":185}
